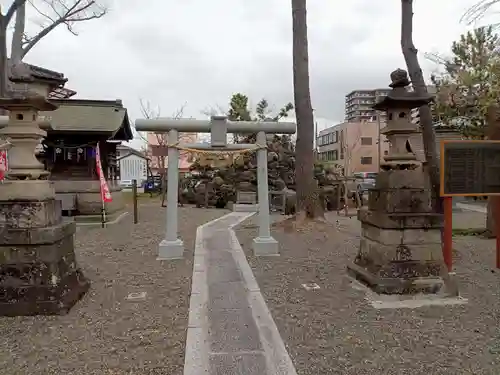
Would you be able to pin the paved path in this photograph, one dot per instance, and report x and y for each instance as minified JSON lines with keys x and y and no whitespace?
{"x":473,"y":207}
{"x":230,"y":328}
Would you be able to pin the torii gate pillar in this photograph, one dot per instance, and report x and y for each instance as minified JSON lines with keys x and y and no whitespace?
{"x":172,"y":247}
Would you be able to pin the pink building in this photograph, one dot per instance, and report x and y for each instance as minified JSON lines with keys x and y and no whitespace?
{"x":185,"y":158}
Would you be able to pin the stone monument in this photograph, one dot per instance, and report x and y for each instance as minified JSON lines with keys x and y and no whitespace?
{"x":38,"y":270}
{"x":400,"y":250}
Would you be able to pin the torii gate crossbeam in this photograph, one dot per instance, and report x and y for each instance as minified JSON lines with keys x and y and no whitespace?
{"x":218,"y":126}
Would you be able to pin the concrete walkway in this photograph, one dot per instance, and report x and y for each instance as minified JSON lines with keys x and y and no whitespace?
{"x":473,"y":207}
{"x":230,"y":328}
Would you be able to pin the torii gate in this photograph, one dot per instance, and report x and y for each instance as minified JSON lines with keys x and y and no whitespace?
{"x":172,"y":247}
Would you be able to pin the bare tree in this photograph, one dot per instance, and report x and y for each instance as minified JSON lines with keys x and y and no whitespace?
{"x":478,"y":11}
{"x":161,"y":141}
{"x":308,"y":202}
{"x":53,"y":13}
{"x":418,"y":82}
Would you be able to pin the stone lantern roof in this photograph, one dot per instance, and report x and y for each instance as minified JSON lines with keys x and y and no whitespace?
{"x":23,"y":101}
{"x":400,"y":97}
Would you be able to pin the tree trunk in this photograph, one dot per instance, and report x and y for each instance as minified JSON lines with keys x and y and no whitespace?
{"x":307,"y":193}
{"x":490,"y":220}
{"x":16,"y":50}
{"x":3,"y":58}
{"x":4,"y":76}
{"x":417,"y":78}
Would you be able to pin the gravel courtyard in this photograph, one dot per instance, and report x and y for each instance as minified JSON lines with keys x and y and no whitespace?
{"x":106,"y":333}
{"x":332,"y":330}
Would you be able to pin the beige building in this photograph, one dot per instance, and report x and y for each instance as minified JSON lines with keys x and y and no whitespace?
{"x":353,"y":146}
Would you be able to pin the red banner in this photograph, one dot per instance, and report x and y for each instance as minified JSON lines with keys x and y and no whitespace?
{"x":105,"y":194}
{"x":4,"y":164}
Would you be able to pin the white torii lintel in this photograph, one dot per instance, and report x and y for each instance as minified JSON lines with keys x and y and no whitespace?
{"x":163,"y":125}
{"x":172,"y":247}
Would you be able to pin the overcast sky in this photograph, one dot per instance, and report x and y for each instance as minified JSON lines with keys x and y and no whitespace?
{"x":199,"y":52}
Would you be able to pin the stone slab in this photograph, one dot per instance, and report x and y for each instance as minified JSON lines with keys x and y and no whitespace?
{"x":408,"y":236}
{"x":408,"y":220}
{"x":218,"y":241}
{"x":265,"y":246}
{"x":168,"y":250}
{"x":398,"y":285}
{"x":237,"y":364}
{"x":401,"y":179}
{"x":400,"y":200}
{"x":246,"y":197}
{"x":30,"y":214}
{"x":245,"y":207}
{"x":26,"y":190}
{"x":380,"y":254}
{"x":235,"y":316}
{"x":223,"y":272}
{"x":43,"y":299}
{"x":15,"y":237}
{"x":233,"y":330}
{"x":229,"y":295}
{"x":214,"y":257}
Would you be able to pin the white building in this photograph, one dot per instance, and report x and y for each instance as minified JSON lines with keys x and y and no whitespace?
{"x":133,"y":165}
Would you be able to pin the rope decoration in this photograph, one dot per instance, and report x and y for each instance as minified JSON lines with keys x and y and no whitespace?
{"x":217,"y":152}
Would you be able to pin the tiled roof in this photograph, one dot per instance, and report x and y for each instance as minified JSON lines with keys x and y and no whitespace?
{"x":89,"y":116}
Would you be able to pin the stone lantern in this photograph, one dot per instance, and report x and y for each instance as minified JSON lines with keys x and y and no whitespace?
{"x":399,"y":130}
{"x":38,"y":270}
{"x":400,"y":249}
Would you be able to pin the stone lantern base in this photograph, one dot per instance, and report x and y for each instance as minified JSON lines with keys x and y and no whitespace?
{"x":400,"y":250}
{"x":38,"y":270}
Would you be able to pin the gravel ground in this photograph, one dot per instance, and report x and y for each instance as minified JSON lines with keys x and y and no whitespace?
{"x":105,"y":333}
{"x":334,"y":331}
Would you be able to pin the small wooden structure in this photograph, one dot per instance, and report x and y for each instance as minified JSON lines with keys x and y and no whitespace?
{"x":68,"y":151}
{"x":75,"y":129}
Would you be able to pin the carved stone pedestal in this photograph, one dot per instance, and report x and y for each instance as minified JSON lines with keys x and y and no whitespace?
{"x":38,"y":271}
{"x":400,"y":250}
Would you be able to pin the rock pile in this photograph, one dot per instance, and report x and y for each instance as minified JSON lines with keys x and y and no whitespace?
{"x":241,"y":175}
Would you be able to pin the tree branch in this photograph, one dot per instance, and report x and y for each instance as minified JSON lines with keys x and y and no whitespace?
{"x":79,"y":11}
{"x":478,"y":11}
{"x":12,"y":9}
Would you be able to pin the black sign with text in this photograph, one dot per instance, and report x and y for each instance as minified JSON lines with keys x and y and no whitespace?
{"x":470,"y":168}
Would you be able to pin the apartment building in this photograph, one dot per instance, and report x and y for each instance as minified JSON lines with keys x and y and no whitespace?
{"x":354,"y":146}
{"x":358,"y":105}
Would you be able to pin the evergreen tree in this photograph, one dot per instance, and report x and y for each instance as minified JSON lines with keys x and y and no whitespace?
{"x":470,"y":84}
